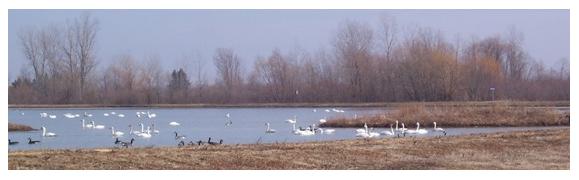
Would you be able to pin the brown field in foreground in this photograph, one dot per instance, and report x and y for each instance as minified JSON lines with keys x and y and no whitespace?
{"x":19,"y":127}
{"x":499,"y":114}
{"x":541,"y":149}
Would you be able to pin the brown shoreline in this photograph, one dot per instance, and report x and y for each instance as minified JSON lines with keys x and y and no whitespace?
{"x":12,"y":127}
{"x":539,"y":149}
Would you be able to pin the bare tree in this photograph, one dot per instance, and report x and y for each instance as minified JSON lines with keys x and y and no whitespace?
{"x":361,"y":66}
{"x":150,"y":78}
{"x":31,"y":49}
{"x":353,"y":45}
{"x":79,"y":49}
{"x":229,"y":72}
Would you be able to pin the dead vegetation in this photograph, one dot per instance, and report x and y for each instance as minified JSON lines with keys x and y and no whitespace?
{"x":498,"y":114}
{"x":19,"y":127}
{"x":312,"y":105}
{"x":543,"y":149}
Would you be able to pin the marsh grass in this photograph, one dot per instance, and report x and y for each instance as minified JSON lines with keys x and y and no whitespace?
{"x":495,"y":115}
{"x":19,"y":127}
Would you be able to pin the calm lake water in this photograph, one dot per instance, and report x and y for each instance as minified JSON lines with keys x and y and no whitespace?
{"x":248,"y":126}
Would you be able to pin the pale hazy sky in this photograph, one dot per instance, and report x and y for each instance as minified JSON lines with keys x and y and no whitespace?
{"x":171,"y":34}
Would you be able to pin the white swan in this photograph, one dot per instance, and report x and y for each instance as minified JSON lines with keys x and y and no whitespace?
{"x":329,"y":131}
{"x":146,"y":134}
{"x":106,"y":114}
{"x":400,"y":129}
{"x":365,"y":130}
{"x":366,"y":133}
{"x":156,"y":131}
{"x":439,"y":129}
{"x":47,"y":134}
{"x":269,"y":130}
{"x":87,"y":114}
{"x":291,"y":121}
{"x":52,"y":116}
{"x":228,"y":120}
{"x":373,"y":134}
{"x":326,"y":131}
{"x":389,"y":133}
{"x":116,"y":133}
{"x":68,"y":115}
{"x":142,"y":127}
{"x":151,"y":115}
{"x":121,"y":115}
{"x":86,"y":125}
{"x":94,"y":126}
{"x":417,"y":131}
{"x":323,"y":120}
{"x":174,"y":123}
{"x":306,"y":132}
{"x":43,"y":115}
{"x":131,"y":131}
{"x":420,"y":131}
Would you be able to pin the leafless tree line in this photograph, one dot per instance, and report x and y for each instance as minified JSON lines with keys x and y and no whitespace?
{"x":361,"y":65}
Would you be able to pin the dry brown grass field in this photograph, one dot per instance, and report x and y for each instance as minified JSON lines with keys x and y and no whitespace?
{"x":540,"y":149}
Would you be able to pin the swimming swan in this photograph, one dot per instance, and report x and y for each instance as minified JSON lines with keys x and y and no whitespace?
{"x":94,"y":126}
{"x":389,"y":133}
{"x":417,"y":131}
{"x":47,"y":134}
{"x":116,"y":133}
{"x":269,"y":130}
{"x":86,"y":125}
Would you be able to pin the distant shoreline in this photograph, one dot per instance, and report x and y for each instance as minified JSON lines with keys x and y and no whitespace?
{"x":304,"y":105}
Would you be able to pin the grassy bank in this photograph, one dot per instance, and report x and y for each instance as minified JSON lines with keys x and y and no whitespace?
{"x":458,"y":116}
{"x":251,"y":105}
{"x":19,"y":127}
{"x":544,"y":149}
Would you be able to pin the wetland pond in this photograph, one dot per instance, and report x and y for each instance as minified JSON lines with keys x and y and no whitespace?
{"x":243,"y":126}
